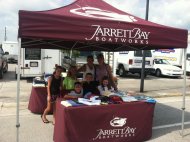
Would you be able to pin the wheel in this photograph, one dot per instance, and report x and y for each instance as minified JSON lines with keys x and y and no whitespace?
{"x":1,"y":73}
{"x":158,"y":73}
{"x":6,"y":68}
{"x":122,"y":71}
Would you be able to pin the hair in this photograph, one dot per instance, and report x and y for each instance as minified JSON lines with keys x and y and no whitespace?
{"x":100,"y":56}
{"x":56,"y":68}
{"x":90,"y":57}
{"x":88,"y":74}
{"x":105,"y":78}
{"x":77,"y":83}
{"x":69,"y":71}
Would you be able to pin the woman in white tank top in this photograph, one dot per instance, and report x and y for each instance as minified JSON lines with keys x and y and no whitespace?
{"x":89,"y":67}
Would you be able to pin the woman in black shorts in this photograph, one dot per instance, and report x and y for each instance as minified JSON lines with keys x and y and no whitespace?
{"x":53,"y":89}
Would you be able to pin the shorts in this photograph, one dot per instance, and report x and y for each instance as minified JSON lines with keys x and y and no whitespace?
{"x":53,"y":98}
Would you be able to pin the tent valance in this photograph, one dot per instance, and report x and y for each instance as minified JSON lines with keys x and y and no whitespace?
{"x":95,"y":25}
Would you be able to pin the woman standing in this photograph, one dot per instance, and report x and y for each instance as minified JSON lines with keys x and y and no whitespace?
{"x":54,"y":89}
{"x":88,"y":68}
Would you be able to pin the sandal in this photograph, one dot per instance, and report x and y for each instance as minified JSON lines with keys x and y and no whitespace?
{"x":45,"y":121}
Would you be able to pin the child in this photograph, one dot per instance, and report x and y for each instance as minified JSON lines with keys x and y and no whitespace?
{"x":53,"y":89}
{"x":77,"y":93}
{"x":90,"y":86}
{"x":70,"y":79}
{"x":105,"y":88}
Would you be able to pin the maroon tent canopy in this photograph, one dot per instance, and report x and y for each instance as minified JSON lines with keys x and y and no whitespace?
{"x":95,"y":25}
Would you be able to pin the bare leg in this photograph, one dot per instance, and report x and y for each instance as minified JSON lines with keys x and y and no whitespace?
{"x":46,"y":111}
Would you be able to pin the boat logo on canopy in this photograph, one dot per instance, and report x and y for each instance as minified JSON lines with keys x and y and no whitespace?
{"x":102,"y":14}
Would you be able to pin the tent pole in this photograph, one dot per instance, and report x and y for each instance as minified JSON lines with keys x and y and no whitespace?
{"x":184,"y":93}
{"x":18,"y":91}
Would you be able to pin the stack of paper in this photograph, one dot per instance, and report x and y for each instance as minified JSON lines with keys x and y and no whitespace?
{"x":89,"y":102}
{"x":68,"y":103}
{"x":128,"y":98}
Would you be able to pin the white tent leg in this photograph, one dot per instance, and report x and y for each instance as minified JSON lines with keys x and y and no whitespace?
{"x":184,"y":93}
{"x":18,"y":92}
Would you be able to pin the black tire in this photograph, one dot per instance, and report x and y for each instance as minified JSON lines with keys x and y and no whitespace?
{"x":6,"y":68}
{"x":1,"y":73}
{"x":158,"y":73}
{"x":121,"y":71}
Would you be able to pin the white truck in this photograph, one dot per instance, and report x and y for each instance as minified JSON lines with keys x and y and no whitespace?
{"x":37,"y":62}
{"x":131,"y":62}
{"x":11,"y":48}
{"x":173,"y":56}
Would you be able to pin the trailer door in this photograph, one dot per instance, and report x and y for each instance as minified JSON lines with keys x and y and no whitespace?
{"x":31,"y":65}
{"x":51,"y":58}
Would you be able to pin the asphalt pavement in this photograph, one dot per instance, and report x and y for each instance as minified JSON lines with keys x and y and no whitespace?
{"x":167,"y":114}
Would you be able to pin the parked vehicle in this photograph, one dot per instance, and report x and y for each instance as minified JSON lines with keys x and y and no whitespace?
{"x":3,"y":62}
{"x":163,"y":67}
{"x":131,"y":62}
{"x":173,"y":56}
{"x":12,"y":48}
{"x":38,"y":62}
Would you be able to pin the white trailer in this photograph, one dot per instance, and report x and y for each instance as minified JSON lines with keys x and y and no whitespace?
{"x":37,"y":62}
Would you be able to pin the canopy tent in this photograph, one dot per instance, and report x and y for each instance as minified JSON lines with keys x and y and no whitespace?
{"x":93,"y":25}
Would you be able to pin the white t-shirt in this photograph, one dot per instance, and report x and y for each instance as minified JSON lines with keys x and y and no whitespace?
{"x":73,"y":93}
{"x":105,"y":91}
{"x":88,"y":70}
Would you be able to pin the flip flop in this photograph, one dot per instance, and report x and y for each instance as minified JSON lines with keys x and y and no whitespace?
{"x":45,"y":121}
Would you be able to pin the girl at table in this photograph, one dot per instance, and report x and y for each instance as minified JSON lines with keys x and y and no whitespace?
{"x":70,"y":79}
{"x":54,"y":90}
{"x":105,"y":88}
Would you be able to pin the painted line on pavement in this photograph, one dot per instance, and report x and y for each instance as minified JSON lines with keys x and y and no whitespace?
{"x":170,"y":125}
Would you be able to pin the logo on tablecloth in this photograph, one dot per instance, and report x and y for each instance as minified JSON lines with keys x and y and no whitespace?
{"x":118,"y":122}
{"x":122,"y":130}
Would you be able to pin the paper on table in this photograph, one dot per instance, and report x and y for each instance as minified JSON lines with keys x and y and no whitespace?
{"x":89,"y":102}
{"x":128,"y":98}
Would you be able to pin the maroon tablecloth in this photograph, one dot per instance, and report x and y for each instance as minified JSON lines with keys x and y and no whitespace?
{"x":38,"y":100}
{"x":109,"y":123}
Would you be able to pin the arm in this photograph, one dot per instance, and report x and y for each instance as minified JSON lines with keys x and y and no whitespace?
{"x":82,"y":69}
{"x":111,"y":77}
{"x":69,"y":97}
{"x":48,"y":89}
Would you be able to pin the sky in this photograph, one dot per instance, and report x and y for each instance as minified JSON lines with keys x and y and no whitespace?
{"x":174,"y":13}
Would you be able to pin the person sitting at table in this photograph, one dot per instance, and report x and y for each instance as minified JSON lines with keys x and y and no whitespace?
{"x":54,"y":90}
{"x":76,"y":93}
{"x":70,"y":79}
{"x":105,"y":88}
{"x":89,"y":85}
